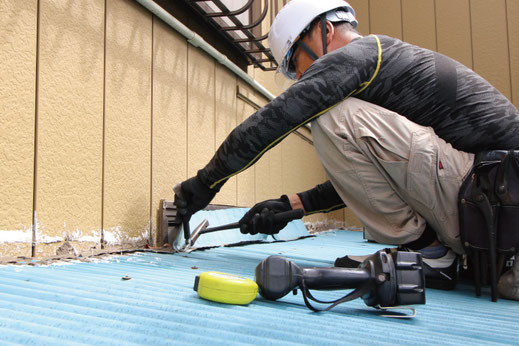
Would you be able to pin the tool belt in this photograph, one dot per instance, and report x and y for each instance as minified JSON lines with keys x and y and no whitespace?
{"x":489,"y":215}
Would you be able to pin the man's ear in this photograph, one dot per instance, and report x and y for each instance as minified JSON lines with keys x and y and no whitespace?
{"x":316,"y":33}
{"x":330,"y":32}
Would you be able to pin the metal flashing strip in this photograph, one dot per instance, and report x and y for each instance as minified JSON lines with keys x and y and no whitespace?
{"x":90,"y":303}
{"x":295,"y":229}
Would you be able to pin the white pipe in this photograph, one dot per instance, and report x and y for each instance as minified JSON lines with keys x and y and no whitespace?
{"x":197,"y":41}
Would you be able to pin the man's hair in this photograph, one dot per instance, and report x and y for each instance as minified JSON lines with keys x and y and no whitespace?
{"x":346,"y":26}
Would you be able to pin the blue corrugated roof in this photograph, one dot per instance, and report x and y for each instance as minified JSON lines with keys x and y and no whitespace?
{"x":89,"y":303}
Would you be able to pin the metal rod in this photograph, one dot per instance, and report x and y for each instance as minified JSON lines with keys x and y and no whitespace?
{"x":251,"y":38}
{"x":256,"y":39}
{"x":249,"y":26}
{"x":221,"y":228}
{"x":231,"y":13}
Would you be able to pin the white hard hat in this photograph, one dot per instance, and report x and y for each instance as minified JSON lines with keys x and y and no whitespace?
{"x":294,"y":17}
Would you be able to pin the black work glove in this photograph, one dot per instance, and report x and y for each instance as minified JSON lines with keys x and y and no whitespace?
{"x":260,"y":218}
{"x":192,"y":197}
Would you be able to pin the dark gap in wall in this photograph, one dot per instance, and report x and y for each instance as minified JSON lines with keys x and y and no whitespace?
{"x":471,"y":36}
{"x":152,"y":238}
{"x":435,"y":26}
{"x":510,"y":68}
{"x":187,"y":110}
{"x":104,"y":132}
{"x":369,"y":17}
{"x":402,"y":20}
{"x":35,"y":158}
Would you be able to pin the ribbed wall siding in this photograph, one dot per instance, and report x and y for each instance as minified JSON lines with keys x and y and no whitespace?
{"x":104,"y":108}
{"x":89,"y":303}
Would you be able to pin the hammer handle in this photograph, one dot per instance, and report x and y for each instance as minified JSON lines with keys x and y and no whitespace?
{"x":285,"y":216}
{"x":185,"y":223}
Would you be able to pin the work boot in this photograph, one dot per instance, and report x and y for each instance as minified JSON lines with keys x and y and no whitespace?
{"x":440,"y":273}
{"x":508,"y":285}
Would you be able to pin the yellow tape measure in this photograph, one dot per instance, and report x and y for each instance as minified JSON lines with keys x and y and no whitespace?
{"x":225,"y":288}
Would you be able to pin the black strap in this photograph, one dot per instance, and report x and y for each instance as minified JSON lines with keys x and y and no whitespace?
{"x":307,"y":49}
{"x":357,"y":293}
{"x":484,"y":197}
{"x":323,"y":33}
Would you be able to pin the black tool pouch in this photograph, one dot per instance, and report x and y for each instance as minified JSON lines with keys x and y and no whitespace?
{"x":489,"y":215}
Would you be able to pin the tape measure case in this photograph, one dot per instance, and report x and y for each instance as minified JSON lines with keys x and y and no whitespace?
{"x":225,"y":288}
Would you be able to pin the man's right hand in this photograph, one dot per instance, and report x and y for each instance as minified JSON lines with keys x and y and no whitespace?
{"x":260,"y":218}
{"x":191,"y":196}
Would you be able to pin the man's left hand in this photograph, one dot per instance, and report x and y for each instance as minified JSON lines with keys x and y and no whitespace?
{"x":191,"y":196}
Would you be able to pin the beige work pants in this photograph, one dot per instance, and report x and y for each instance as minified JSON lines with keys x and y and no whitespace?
{"x":394,"y":175}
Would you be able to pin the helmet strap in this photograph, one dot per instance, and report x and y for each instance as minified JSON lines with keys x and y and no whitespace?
{"x":323,"y":34}
{"x":307,"y":49}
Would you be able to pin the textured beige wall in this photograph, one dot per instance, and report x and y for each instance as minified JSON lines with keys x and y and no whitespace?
{"x":127,"y":159}
{"x":200,"y":109}
{"x":126,"y":108}
{"x":453,"y":30}
{"x":418,"y":23}
{"x":362,"y":13}
{"x":490,"y":43}
{"x":70,"y":120}
{"x":121,"y":107}
{"x":225,"y":122}
{"x":17,"y":119}
{"x":386,"y":17}
{"x":169,"y":132}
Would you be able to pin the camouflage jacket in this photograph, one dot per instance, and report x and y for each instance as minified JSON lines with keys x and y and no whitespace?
{"x":428,"y":88}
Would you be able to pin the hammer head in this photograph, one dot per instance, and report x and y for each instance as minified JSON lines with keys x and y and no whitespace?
{"x":195,"y":234}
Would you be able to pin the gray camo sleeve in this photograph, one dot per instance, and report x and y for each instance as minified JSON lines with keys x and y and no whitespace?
{"x":322,"y":86}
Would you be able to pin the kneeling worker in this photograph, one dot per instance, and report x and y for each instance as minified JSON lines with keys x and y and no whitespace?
{"x":395,"y":126}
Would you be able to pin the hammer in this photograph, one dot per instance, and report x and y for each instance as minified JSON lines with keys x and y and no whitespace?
{"x":282,"y":217}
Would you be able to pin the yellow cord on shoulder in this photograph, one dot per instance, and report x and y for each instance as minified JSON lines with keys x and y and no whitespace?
{"x":363,"y":86}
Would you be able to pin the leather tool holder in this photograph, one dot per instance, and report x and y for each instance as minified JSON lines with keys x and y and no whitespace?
{"x":489,"y":215}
